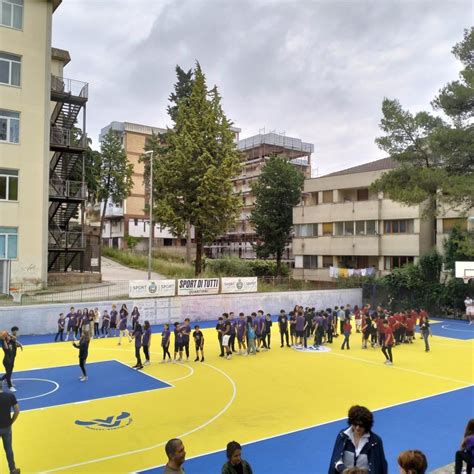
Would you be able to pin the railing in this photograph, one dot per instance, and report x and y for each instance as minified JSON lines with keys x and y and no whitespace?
{"x":62,"y":85}
{"x":67,"y":137}
{"x":58,"y":239}
{"x":69,"y":189}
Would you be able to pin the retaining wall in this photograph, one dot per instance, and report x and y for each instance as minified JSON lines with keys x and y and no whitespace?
{"x":42,"y":319}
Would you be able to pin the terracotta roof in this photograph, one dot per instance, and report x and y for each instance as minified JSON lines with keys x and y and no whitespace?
{"x":378,"y":165}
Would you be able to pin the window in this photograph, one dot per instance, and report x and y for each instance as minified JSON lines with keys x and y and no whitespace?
{"x":327,"y":261}
{"x":8,"y":242}
{"x":167,"y":242}
{"x":306,"y":230}
{"x":360,"y":227}
{"x":345,"y":228}
{"x":10,"y":69}
{"x":9,"y":126}
{"x":310,"y":261}
{"x":327,"y":196}
{"x":448,"y":224}
{"x":396,"y":262}
{"x":371,"y":227}
{"x":11,"y":13}
{"x":349,"y":228}
{"x":327,"y":228}
{"x":401,"y":226}
{"x":135,"y":222}
{"x":338,"y":228}
{"x":362,"y":194}
{"x":8,"y":185}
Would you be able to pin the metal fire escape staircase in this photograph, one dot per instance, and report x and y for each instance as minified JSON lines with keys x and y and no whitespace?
{"x":67,"y":190}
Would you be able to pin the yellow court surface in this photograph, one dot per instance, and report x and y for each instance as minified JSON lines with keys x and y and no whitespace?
{"x":118,"y":422}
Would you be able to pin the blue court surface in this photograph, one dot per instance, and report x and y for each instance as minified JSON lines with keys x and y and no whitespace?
{"x":42,"y":388}
{"x":310,"y":450}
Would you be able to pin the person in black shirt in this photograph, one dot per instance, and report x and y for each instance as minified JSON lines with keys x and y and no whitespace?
{"x":83,"y":347}
{"x":8,"y":358}
{"x":220,"y":332}
{"x":283,"y":326}
{"x":7,"y":402}
{"x":198,"y":337}
{"x":268,"y":328}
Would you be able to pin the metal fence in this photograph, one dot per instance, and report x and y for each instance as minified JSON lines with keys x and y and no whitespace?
{"x":26,"y":294}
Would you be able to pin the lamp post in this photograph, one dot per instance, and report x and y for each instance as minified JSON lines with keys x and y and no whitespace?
{"x":150,"y":203}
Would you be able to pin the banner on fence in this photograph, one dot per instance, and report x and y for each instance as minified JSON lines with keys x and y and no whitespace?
{"x":151,"y":288}
{"x":198,"y":286}
{"x":239,"y":285}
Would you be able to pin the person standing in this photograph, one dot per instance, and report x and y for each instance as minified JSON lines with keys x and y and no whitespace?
{"x":176,"y":453}
{"x":425,"y":329}
{"x":77,"y":323}
{"x":469,"y":303}
{"x":83,"y":346}
{"x":292,"y":321}
{"x":135,"y":317}
{"x":7,"y":403}
{"x":123,"y":324}
{"x":241,"y":334}
{"x":178,"y":343}
{"x":300,"y":327}
{"x":387,"y":342}
{"x":113,"y":321}
{"x":346,"y":331}
{"x":7,"y":346}
{"x":268,"y":328}
{"x":61,"y":324}
{"x":358,"y":445}
{"x":283,"y":327}
{"x":96,"y":322}
{"x":185,"y":334}
{"x":146,"y":341}
{"x":232,"y":332}
{"x":71,"y":322}
{"x":226,"y":338}
{"x":235,"y":464}
{"x":165,"y":343}
{"x":220,"y":331}
{"x":137,"y":335}
{"x":104,"y":329}
{"x":198,"y":337}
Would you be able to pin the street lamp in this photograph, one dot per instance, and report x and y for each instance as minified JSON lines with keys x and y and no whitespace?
{"x":150,"y":203}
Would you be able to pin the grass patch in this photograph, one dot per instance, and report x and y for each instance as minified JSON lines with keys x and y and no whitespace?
{"x":167,"y":267}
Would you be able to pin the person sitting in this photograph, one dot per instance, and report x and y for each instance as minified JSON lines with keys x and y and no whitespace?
{"x":358,"y":445}
{"x":235,"y":464}
{"x":466,"y":453}
{"x":412,"y":462}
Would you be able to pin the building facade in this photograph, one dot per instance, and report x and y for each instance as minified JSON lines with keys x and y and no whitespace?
{"x":342,"y":227}
{"x":256,"y":150}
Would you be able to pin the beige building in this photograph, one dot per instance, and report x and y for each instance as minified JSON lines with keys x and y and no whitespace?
{"x":256,"y":150}
{"x":342,"y":223}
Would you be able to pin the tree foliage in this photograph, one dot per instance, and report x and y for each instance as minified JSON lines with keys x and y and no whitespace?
{"x":458,"y":247}
{"x":435,"y":156}
{"x":193,"y":175}
{"x":277,"y":191}
{"x":112,"y":177}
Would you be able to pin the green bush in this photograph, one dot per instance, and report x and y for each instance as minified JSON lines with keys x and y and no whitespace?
{"x":237,"y":267}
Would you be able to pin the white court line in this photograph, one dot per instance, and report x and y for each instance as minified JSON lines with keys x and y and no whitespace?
{"x":38,"y":396}
{"x":446,"y":326}
{"x":149,"y":448}
{"x":317,"y":425}
{"x":418,"y":372}
{"x":141,"y":372}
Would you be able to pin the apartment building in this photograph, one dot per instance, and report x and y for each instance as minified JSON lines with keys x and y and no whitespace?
{"x":342,"y":223}
{"x":256,"y":150}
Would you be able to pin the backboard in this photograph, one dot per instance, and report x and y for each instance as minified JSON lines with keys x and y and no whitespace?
{"x":465,"y":270}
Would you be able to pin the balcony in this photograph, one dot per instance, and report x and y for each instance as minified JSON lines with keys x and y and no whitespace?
{"x":69,"y":90}
{"x":64,"y":138}
{"x":332,"y":212}
{"x":65,"y":240}
{"x":338,"y":245}
{"x":59,"y":189}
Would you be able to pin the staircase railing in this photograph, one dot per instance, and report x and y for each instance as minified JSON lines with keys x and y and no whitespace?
{"x":73,"y":87}
{"x":67,"y":189}
{"x":69,"y":138}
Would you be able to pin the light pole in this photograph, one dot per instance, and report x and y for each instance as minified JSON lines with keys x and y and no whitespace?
{"x":150,"y":203}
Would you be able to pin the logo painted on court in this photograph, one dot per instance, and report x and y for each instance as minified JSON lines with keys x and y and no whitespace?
{"x":312,"y":349}
{"x":113,"y":422}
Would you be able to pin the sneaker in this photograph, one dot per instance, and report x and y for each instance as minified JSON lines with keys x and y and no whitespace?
{"x":147,"y":362}
{"x":245,"y":354}
{"x":202,"y":360}
{"x":139,"y":367}
{"x":15,"y":471}
{"x":229,"y":356}
{"x":12,"y":389}
{"x":196,"y":359}
{"x":162,"y":362}
{"x":169,"y":361}
{"x":83,"y":379}
{"x":134,"y":366}
{"x":389,"y":362}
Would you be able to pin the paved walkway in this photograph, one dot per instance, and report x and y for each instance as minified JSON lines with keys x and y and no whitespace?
{"x":113,"y":271}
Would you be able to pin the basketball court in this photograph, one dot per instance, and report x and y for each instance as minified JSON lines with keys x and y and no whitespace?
{"x":285,"y":406}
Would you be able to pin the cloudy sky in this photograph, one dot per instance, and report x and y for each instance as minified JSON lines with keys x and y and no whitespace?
{"x":313,"y":69}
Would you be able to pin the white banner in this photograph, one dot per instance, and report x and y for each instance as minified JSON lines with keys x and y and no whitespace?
{"x":198,"y":286}
{"x":151,"y":288}
{"x":239,"y":285}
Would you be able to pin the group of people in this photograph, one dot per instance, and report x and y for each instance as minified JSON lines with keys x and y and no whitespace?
{"x":357,"y":450}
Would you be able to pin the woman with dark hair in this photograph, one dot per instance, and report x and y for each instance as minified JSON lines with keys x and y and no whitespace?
{"x":146,"y":341}
{"x":466,"y":453}
{"x":83,"y":346}
{"x":135,"y":317}
{"x":137,"y":335}
{"x":412,"y":462}
{"x":235,"y":464}
{"x":358,"y":445}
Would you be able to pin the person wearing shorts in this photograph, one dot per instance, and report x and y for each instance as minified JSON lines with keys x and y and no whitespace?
{"x":300,"y":328}
{"x":220,"y":331}
{"x":113,"y":321}
{"x":185,"y":333}
{"x":123,"y":326}
{"x":71,"y":322}
{"x":165,"y":343}
{"x":292,"y":320}
{"x":469,"y":303}
{"x":178,"y":343}
{"x":226,"y":338}
{"x":241,"y":330}
{"x":198,"y":337}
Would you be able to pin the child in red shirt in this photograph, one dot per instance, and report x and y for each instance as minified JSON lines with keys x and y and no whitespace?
{"x":387,"y":343}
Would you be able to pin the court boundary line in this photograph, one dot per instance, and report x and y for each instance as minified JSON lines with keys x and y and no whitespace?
{"x":142,"y":372}
{"x":315,"y":426}
{"x":150,"y":448}
{"x":447,"y":328}
{"x":404,"y":369}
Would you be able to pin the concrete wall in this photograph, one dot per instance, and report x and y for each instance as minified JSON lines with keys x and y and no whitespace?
{"x":41,"y":319}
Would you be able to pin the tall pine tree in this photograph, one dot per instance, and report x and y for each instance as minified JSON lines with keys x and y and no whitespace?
{"x":193,"y":182}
